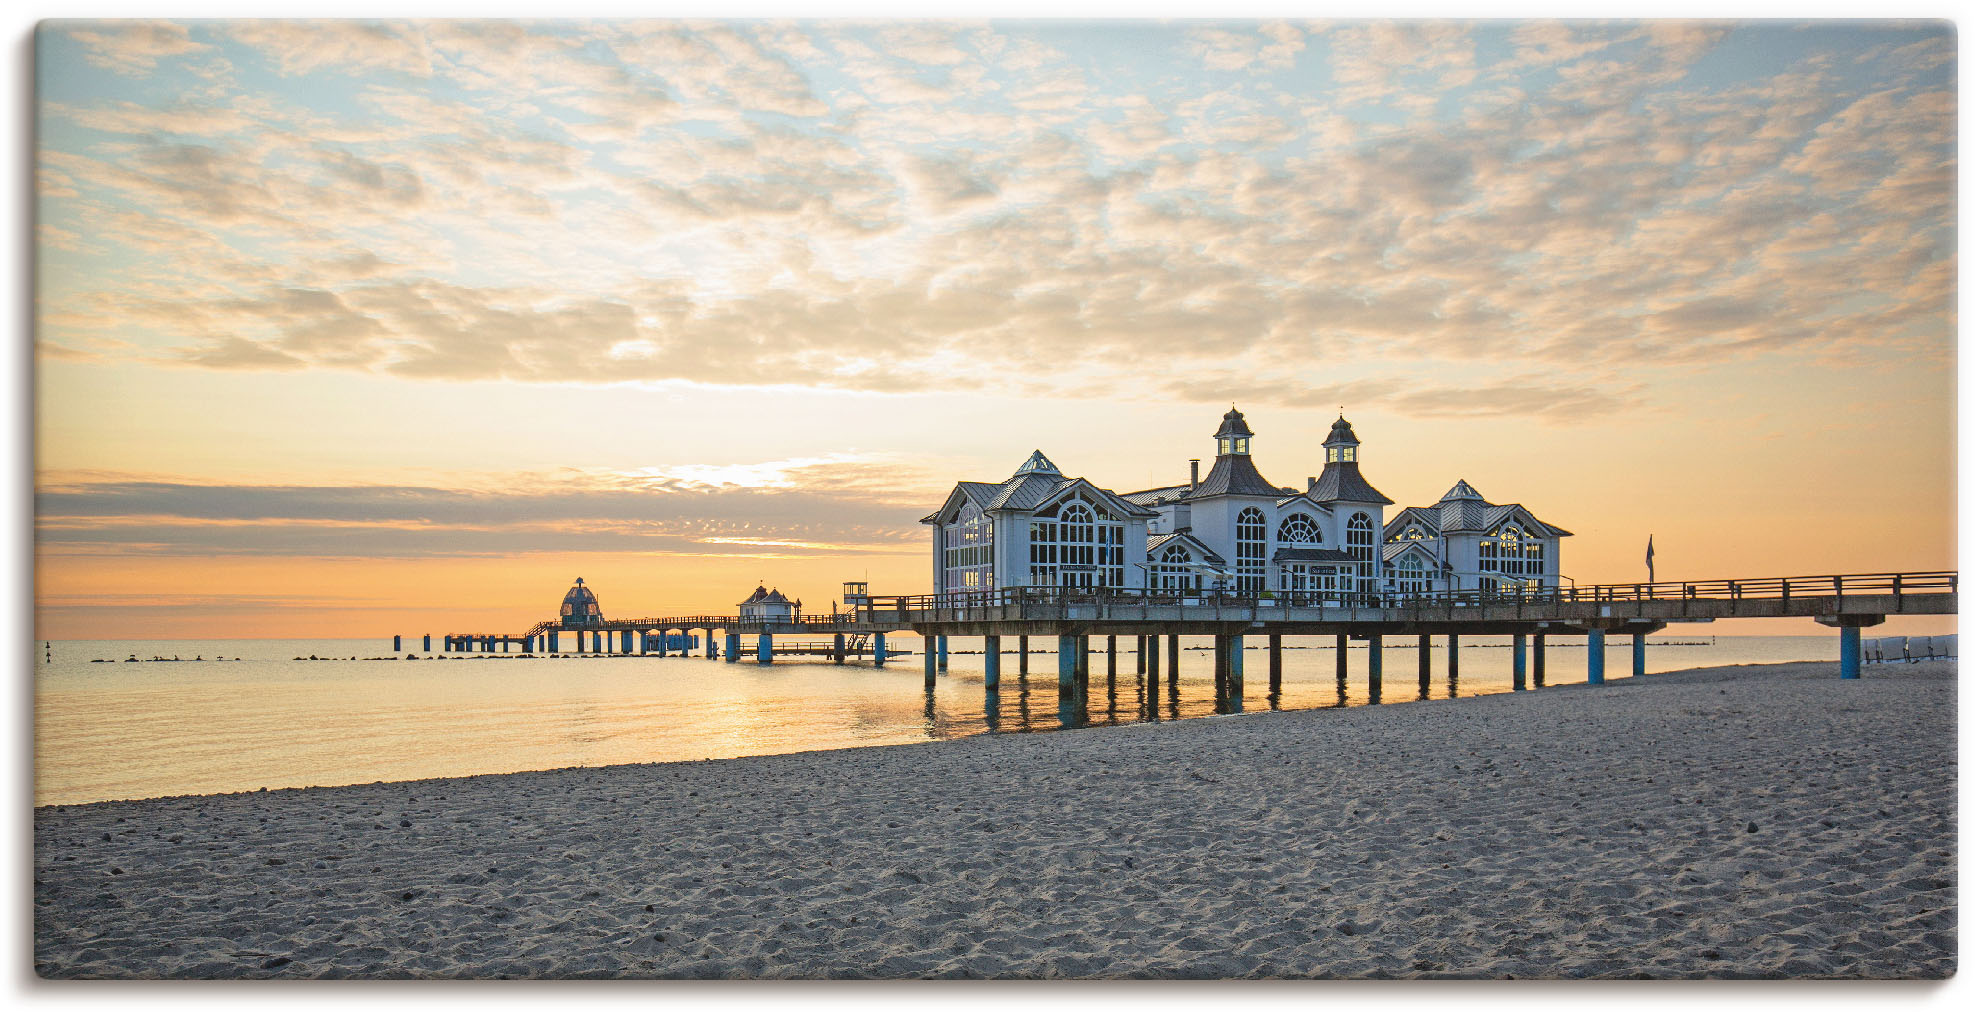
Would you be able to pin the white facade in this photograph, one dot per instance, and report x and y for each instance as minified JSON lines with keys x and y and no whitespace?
{"x":1231,"y":530}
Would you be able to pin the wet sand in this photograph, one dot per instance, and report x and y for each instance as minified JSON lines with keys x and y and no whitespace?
{"x":1763,"y":821}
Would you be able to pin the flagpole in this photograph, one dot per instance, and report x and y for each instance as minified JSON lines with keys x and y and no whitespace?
{"x":1650,"y":557}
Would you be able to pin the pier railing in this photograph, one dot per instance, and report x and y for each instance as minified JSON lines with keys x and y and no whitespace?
{"x":1895,"y":585}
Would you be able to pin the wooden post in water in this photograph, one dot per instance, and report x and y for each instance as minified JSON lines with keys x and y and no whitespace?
{"x":1276,"y":665}
{"x":1340,"y":660}
{"x":1068,"y":666}
{"x":1111,"y":659}
{"x":1024,"y":655}
{"x":838,"y":648}
{"x":928,"y":650}
{"x":1140,"y":654}
{"x":1374,"y":667}
{"x":1519,"y":661}
{"x":1451,"y":656}
{"x":1423,"y":664}
{"x":1539,"y":660}
{"x":993,"y":663}
{"x":1220,"y":650}
{"x":1175,"y":658}
{"x":941,"y":653}
{"x":1234,"y":672}
{"x":1085,"y":664}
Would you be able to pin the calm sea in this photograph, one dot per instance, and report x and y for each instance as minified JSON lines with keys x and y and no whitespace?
{"x":264,"y":718}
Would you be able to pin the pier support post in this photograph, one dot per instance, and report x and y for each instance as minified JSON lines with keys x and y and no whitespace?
{"x":941,"y":653}
{"x":1024,"y":656}
{"x":1596,"y":655}
{"x":395,"y":644}
{"x":1220,"y":665}
{"x":838,"y":648}
{"x":1154,"y":646}
{"x":1083,"y":664}
{"x":928,"y":649}
{"x":732,"y":649}
{"x":1636,"y":655}
{"x":1340,"y":660}
{"x":625,"y":641}
{"x":1375,"y":667}
{"x":1234,"y":671}
{"x":763,"y":648}
{"x":1423,"y":664}
{"x":1175,"y":659}
{"x":553,"y":641}
{"x":1539,"y":660}
{"x":1852,"y":651}
{"x":1068,"y":666}
{"x":711,"y":643}
{"x":1451,"y":657}
{"x":1275,"y":665}
{"x":993,"y":662}
{"x":1110,"y":660}
{"x":427,"y":646}
{"x":879,"y":649}
{"x":1141,"y":655}
{"x":1519,"y":662}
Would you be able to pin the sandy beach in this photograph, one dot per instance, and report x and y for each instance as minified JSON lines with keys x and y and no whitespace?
{"x":1733,"y":822}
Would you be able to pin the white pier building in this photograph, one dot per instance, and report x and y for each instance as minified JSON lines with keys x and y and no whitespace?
{"x":1236,"y":531}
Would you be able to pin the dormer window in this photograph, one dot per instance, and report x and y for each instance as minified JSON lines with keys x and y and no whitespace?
{"x":1340,"y":454}
{"x":1227,"y":445}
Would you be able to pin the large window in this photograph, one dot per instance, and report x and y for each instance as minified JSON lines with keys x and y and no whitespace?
{"x":1410,"y":533}
{"x":1083,"y":547}
{"x":1298,"y":529}
{"x":1411,"y":577}
{"x":1513,"y":554}
{"x":1361,"y":547}
{"x":1251,"y":550}
{"x":1172,"y":571}
{"x":966,"y":551}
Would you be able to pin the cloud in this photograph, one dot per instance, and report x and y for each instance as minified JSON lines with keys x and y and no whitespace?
{"x":130,"y":48}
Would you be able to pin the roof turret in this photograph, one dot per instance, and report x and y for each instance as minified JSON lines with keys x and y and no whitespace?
{"x":1341,"y":433}
{"x":1462,"y":490}
{"x":1233,"y":424}
{"x":1037,"y":463}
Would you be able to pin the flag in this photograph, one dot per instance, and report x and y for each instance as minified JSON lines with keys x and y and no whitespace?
{"x":1650,"y":557}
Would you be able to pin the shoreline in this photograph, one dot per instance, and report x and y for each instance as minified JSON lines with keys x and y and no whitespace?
{"x":1025,"y":731}
{"x":1503,"y":834}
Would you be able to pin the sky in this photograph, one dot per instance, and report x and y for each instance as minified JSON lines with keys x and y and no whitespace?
{"x":362,"y":328}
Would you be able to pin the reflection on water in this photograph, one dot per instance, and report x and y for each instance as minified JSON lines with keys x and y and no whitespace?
{"x":114,"y":730}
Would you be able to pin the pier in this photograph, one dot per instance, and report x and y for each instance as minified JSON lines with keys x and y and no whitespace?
{"x":1137,"y":621}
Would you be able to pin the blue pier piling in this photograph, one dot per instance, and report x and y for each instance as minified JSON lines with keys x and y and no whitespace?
{"x":879,"y":649}
{"x":993,"y":663}
{"x":1375,"y":661}
{"x":626,"y":641}
{"x":711,"y":644}
{"x":597,"y":642}
{"x":732,"y":648}
{"x":395,"y":645}
{"x":838,"y":648}
{"x":553,"y":641}
{"x":1636,"y":654}
{"x":928,"y":649}
{"x":1234,"y":672}
{"x":1069,"y":647}
{"x":1519,"y":662}
{"x":941,"y":653}
{"x":1852,"y":652}
{"x":1596,"y":655}
{"x":428,"y":647}
{"x":763,"y":648}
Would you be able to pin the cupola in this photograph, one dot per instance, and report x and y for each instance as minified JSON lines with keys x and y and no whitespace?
{"x":1342,"y":446}
{"x":1233,"y":437}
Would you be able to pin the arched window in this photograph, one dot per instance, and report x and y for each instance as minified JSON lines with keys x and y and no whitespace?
{"x":1298,"y":529}
{"x":1083,"y":548}
{"x":1514,"y":554}
{"x":1411,"y":579}
{"x":1173,"y":572}
{"x":1361,"y":547}
{"x":1251,"y":550}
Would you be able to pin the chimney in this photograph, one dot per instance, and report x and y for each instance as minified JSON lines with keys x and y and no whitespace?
{"x":1310,"y":482}
{"x":1194,"y":463}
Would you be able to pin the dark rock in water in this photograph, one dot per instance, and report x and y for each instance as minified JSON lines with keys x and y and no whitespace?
{"x":271,"y":964}
{"x":1753,"y":827}
{"x":405,"y":823}
{"x":106,"y":838}
{"x":116,"y":871}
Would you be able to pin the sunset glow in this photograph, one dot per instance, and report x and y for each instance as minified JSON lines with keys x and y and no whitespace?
{"x":356,"y":328}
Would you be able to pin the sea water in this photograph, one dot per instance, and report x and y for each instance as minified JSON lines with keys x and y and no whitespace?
{"x":188,"y":722}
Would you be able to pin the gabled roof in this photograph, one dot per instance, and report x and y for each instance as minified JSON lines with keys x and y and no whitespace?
{"x":1341,"y":481}
{"x":1114,"y":502}
{"x":1305,"y":499}
{"x":1235,"y":474}
{"x":1157,"y":541}
{"x":1462,"y":490}
{"x":976,"y":493}
{"x":1233,"y":424}
{"x":1497,"y":515}
{"x":1026,"y":491}
{"x":1150,"y":497}
{"x":766,"y":597}
{"x":1424,"y":515}
{"x":1398,"y":548}
{"x":1037,"y":463}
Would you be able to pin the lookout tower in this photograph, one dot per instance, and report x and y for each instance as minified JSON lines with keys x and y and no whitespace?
{"x":580,"y":609}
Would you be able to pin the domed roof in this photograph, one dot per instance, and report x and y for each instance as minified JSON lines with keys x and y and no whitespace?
{"x":1233,"y":424}
{"x":1342,"y":432}
{"x":580,"y":594}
